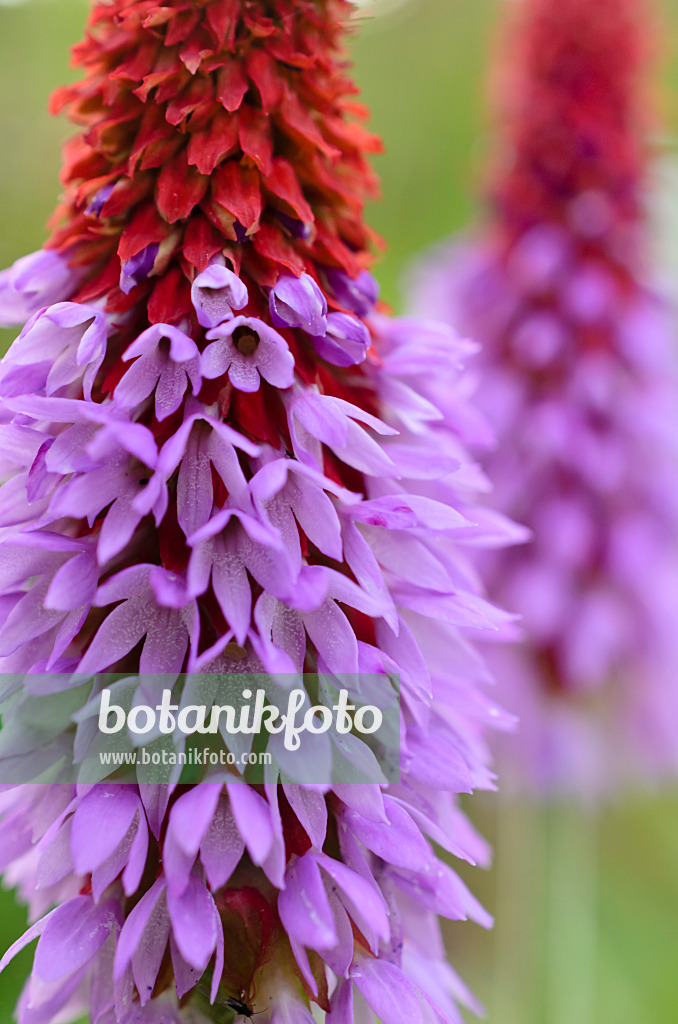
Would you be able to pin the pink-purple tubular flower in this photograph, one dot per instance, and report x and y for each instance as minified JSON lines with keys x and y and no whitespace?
{"x":579,"y":379}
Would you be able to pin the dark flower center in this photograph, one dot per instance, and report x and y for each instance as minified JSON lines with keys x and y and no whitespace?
{"x":245,"y":340}
{"x":234,"y":651}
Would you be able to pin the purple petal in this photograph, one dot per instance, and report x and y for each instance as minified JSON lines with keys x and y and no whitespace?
{"x":215,"y":293}
{"x":346,"y":341}
{"x":185,"y":975}
{"x":74,"y":934}
{"x":252,"y":815}
{"x":138,"y":267}
{"x":310,"y":808}
{"x":194,"y":923}
{"x":341,"y":1004}
{"x":274,"y":361}
{"x":138,"y":382}
{"x":74,"y":584}
{"x":194,"y":487}
{"x":166,"y":642}
{"x":363,"y":901}
{"x":399,"y":842}
{"x":131,"y":935}
{"x":333,"y":637}
{"x":97,"y":204}
{"x":100,"y":823}
{"x":387,"y":990}
{"x":40,"y":483}
{"x":56,"y":861}
{"x":151,"y":946}
{"x":181,"y":347}
{"x":32,"y":282}
{"x":121,"y":630}
{"x":358,"y":294}
{"x":189,"y":820}
{"x":136,"y":862}
{"x":172,"y":387}
{"x":222,"y":847}
{"x":216,"y":359}
{"x":24,"y":940}
{"x":298,"y":302}
{"x":231,"y":585}
{"x":404,"y":511}
{"x":243,"y":374}
{"x":303,"y":905}
{"x":288,"y":1009}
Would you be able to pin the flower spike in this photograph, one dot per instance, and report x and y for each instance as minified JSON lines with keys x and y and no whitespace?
{"x":224,"y":463}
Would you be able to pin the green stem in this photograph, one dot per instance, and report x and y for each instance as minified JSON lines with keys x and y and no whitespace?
{"x":518,"y":873}
{"x":546,"y":936}
{"x":571,"y":946}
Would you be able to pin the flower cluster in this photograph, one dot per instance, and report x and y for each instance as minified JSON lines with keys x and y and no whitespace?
{"x":221,"y":457}
{"x":579,"y":380}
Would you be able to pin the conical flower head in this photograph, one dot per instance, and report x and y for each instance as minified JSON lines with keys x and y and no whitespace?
{"x":579,"y":381}
{"x":223,"y":460}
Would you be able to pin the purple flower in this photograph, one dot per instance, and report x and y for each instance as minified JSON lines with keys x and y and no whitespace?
{"x":200,"y":443}
{"x":166,"y":360}
{"x":216,"y":293}
{"x":33,"y":282}
{"x":358,"y":294}
{"x":297,"y":228}
{"x":298,"y":302}
{"x":246,"y":348}
{"x":138,"y":616}
{"x":346,"y":341}
{"x":99,"y":201}
{"x":586,"y":460}
{"x":578,"y":377}
{"x":138,"y":267}
{"x":400,"y":544}
{"x":60,"y":346}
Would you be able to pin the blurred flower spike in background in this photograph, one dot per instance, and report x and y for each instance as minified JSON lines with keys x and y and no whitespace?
{"x":222,"y":455}
{"x":579,"y":380}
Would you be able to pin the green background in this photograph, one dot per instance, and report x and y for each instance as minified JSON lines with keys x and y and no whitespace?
{"x":587,"y":904}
